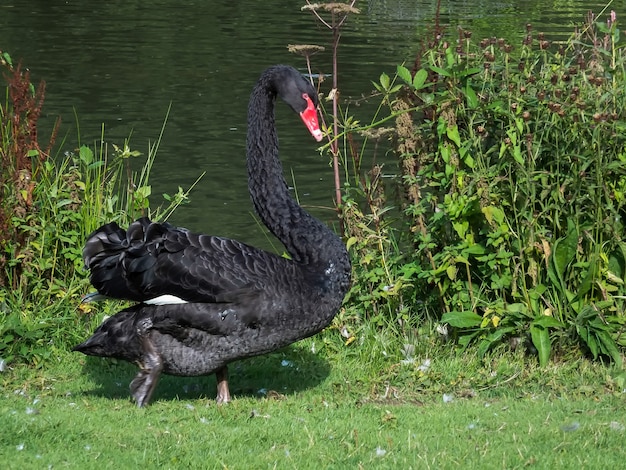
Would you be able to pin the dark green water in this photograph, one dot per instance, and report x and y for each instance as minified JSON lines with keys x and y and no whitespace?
{"x":121,"y":63}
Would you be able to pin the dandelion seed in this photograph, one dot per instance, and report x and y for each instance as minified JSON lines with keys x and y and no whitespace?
{"x":443,"y":331}
{"x":72,"y":404}
{"x":286,"y":363}
{"x":19,"y":446}
{"x":313,"y":348}
{"x":256,"y":414}
{"x":615,"y":426}
{"x":190,"y":406}
{"x":448,"y":398}
{"x":87,"y":447}
{"x":203,"y":420}
{"x":380,"y":452}
{"x":573,"y":426}
{"x":3,"y":365}
{"x":408,"y":350}
{"x":31,"y":411}
{"x":424,"y":366}
{"x":36,"y":400}
{"x":471,"y":426}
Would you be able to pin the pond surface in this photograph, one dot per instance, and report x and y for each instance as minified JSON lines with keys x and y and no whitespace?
{"x":121,"y":64}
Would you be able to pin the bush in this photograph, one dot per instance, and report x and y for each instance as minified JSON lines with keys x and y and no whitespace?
{"x":512,"y":168}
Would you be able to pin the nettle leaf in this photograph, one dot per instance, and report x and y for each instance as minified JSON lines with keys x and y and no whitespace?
{"x":420,"y":79}
{"x":404,"y":74}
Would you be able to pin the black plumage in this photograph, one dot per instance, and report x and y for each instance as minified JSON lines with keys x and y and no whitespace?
{"x":240,"y":301}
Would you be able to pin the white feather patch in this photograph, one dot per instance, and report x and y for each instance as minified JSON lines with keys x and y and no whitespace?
{"x":165,"y":300}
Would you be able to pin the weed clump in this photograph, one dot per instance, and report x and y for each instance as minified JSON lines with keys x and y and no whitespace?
{"x":512,"y":183}
{"x":49,"y":204}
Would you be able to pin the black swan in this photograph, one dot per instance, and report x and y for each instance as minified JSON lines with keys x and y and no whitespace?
{"x":205,"y":301}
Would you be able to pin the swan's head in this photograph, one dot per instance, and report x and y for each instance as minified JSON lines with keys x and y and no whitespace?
{"x":298,"y":93}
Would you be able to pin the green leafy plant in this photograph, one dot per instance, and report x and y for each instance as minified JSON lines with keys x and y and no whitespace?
{"x":512,"y":169}
{"x":49,"y":207}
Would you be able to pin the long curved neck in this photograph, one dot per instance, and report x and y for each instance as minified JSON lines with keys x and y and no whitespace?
{"x":306,"y":239}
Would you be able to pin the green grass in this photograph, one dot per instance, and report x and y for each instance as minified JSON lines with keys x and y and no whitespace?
{"x":320,"y":404}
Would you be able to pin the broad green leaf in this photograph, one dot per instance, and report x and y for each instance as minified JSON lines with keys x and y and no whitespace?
{"x":461,"y":319}
{"x":469,"y":161}
{"x":85,"y":154}
{"x":492,"y":339}
{"x":453,"y":134}
{"x":563,"y":253}
{"x":609,"y":347}
{"x":351,"y":241}
{"x":384,"y":81}
{"x":587,"y":283}
{"x":404,"y":74}
{"x":420,"y":79}
{"x":492,"y":213}
{"x":7,"y":58}
{"x":547,"y":321}
{"x":440,"y":71}
{"x":470,"y":96}
{"x":541,"y":340}
{"x":588,"y":339}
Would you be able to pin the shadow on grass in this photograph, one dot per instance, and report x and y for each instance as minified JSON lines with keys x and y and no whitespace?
{"x":289,"y":370}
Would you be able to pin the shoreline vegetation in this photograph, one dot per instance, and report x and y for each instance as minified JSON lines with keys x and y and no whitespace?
{"x":486,"y":319}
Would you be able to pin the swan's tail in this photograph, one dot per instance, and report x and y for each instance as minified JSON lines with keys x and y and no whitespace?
{"x":120,"y":259}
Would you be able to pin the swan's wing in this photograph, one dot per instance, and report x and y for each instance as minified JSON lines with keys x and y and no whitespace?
{"x":219,"y":319}
{"x":151,"y":259}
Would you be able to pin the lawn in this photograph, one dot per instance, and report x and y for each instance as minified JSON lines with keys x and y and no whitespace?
{"x":319,"y":404}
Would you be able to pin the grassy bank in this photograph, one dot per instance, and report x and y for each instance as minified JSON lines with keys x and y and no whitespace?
{"x":302,"y":409}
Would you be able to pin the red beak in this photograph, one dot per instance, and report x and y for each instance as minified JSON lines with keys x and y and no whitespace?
{"x":309,"y":117}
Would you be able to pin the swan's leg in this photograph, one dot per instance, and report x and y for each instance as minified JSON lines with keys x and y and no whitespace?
{"x":223,"y":393}
{"x":146,"y":380}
